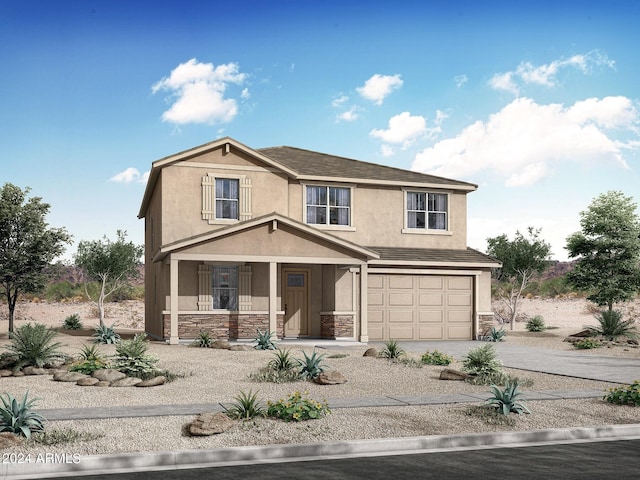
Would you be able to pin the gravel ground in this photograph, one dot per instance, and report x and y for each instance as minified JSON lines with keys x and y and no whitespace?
{"x":210,"y":376}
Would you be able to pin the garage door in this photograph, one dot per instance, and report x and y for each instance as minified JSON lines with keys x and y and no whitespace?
{"x":420,"y":307}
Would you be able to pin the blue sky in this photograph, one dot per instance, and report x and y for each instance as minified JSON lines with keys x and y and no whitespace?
{"x":536,"y":102}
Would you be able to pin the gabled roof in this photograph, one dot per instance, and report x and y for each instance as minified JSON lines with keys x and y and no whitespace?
{"x":434,"y":256}
{"x":264,"y":219}
{"x":315,"y":165}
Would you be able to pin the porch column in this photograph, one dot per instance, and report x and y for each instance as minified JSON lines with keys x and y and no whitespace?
{"x":173,"y":299}
{"x":273,"y":298}
{"x":364,"y":328}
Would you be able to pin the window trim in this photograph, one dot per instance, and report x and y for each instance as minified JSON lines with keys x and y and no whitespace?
{"x":327,"y":226}
{"x":426,"y":230}
{"x":215,"y":268}
{"x":244,"y":199}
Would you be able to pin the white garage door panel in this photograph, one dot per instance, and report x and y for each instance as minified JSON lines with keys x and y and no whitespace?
{"x":420,"y":307}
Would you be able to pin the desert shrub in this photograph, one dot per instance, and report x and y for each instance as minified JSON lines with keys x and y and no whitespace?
{"x":587,"y":344}
{"x":131,"y":356}
{"x":436,"y":358}
{"x":495,"y":335}
{"x":89,"y":360}
{"x":625,"y":395}
{"x":297,"y":408}
{"x":106,"y":335}
{"x":483,"y":363}
{"x":536,"y":324}
{"x":489,"y":415}
{"x":63,"y":290}
{"x":32,"y":344}
{"x":282,"y":361}
{"x":19,"y":417}
{"x":72,"y":322}
{"x":611,"y":326}
{"x":203,"y":340}
{"x":408,"y":362}
{"x":338,"y":355}
{"x":264,"y":340}
{"x":391,"y":350}
{"x":268,"y":375}
{"x":311,"y":366}
{"x":506,"y":400}
{"x":245,"y":407}
{"x":59,"y":437}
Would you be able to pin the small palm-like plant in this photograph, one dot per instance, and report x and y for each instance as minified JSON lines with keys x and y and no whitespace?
{"x":264,"y":341}
{"x":495,"y":335}
{"x":311,"y":366}
{"x":506,"y":400}
{"x":90,"y":352}
{"x":392,"y":350}
{"x":282,"y":361}
{"x":106,"y":335}
{"x":536,"y":324}
{"x":245,"y":407}
{"x":32,"y":344}
{"x":611,"y":326}
{"x":203,"y":340}
{"x":18,"y":417}
{"x":72,"y":322}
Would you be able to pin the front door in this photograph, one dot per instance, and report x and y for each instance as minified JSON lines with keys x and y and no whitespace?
{"x":296,"y":302}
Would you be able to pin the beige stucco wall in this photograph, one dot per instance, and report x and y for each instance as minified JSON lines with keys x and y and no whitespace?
{"x":484,"y":291}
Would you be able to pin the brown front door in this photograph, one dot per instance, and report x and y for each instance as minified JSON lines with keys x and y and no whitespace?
{"x":296,"y":299}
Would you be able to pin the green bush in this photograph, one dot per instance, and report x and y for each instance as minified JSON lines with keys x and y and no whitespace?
{"x":63,"y":290}
{"x":105,"y":335}
{"x":506,"y":400}
{"x":203,"y":340}
{"x":245,"y":407}
{"x":270,"y":375}
{"x":18,"y":417}
{"x":297,"y":408}
{"x":264,"y":341}
{"x":89,"y":360}
{"x":391,"y":350}
{"x":32,"y":344}
{"x":611,"y":326}
{"x":483,"y":363}
{"x":131,"y":356}
{"x":311,"y":366}
{"x":587,"y":344}
{"x":625,"y":395}
{"x":536,"y":324}
{"x":495,"y":335}
{"x":72,"y":322}
{"x":436,"y":358}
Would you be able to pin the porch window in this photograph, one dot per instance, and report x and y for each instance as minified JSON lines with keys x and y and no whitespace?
{"x":227,"y":198}
{"x":225,"y":288}
{"x":427,"y":210}
{"x":328,"y":205}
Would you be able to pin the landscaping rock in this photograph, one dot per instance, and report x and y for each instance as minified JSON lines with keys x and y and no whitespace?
{"x":102,"y":383}
{"x":582,"y":334}
{"x":8,"y":439}
{"x":240,"y":348}
{"x":18,"y":373}
{"x":69,"y":376}
{"x":370,"y":352}
{"x":126,"y":382}
{"x":207,"y":424}
{"x":331,"y":377}
{"x":108,"y":375}
{"x":221,"y":345}
{"x":451,"y":374}
{"x":153,"y":382}
{"x":35,"y":371}
{"x":87,"y":382}
{"x":5,"y":373}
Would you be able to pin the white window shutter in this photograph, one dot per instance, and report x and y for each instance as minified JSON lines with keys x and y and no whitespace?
{"x":205,"y":302}
{"x":208,"y":198}
{"x":245,"y":199}
{"x":244,"y":289}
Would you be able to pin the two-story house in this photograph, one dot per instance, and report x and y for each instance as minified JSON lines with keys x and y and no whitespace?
{"x":306,"y":244}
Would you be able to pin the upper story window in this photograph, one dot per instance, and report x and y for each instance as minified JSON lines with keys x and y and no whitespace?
{"x":328,"y":205}
{"x":227,"y":198}
{"x":427,"y":210}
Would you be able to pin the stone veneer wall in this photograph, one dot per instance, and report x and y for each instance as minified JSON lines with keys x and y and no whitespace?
{"x":222,"y":326}
{"x":336,"y":326}
{"x":485,"y":322}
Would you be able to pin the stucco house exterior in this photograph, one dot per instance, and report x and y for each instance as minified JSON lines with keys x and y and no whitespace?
{"x":306,"y":244}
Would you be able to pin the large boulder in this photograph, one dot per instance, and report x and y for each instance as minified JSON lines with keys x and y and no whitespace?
{"x":331,"y":377}
{"x":69,"y":376}
{"x":108,"y":375}
{"x":126,"y":382}
{"x":451,"y":374}
{"x":207,"y":424}
{"x":153,"y":382}
{"x":370,"y":352}
{"x":5,"y":373}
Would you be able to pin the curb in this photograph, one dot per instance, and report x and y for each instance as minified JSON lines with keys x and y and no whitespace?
{"x":132,"y":462}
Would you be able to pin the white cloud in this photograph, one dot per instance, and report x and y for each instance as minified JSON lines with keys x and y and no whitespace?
{"x":524,"y":141}
{"x":546,"y":75}
{"x":348,"y":116}
{"x":460,"y":80}
{"x":339,"y":101}
{"x":198,"y":92}
{"x":379,"y":86}
{"x":403,"y":128}
{"x":130,"y":175}
{"x":387,"y":150}
{"x":245,"y":94}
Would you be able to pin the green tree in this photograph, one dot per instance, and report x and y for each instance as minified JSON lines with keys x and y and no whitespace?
{"x":111,"y":264}
{"x":521,"y":259}
{"x":607,"y":249}
{"x":27,"y":244}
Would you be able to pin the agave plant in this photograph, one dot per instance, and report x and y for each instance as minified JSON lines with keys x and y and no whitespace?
{"x":392,"y":350}
{"x":495,"y":335}
{"x":283,"y":361}
{"x":264,"y":341}
{"x":245,"y":407}
{"x":32,"y":344}
{"x":311,"y":366}
{"x":611,"y":326}
{"x":506,"y":400}
{"x":18,"y":417}
{"x":106,"y":335}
